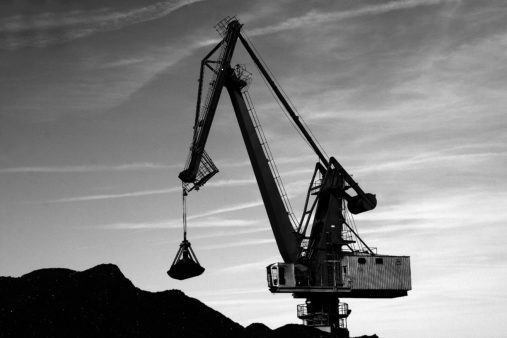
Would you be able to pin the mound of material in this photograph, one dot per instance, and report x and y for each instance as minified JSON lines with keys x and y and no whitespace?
{"x":101,"y":302}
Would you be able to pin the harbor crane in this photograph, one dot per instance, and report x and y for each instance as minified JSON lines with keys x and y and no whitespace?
{"x":324,"y":259}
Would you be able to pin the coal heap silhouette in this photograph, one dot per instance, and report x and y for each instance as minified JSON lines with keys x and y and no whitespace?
{"x":101,"y":302}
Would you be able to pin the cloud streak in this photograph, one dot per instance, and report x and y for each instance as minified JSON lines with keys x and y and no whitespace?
{"x":231,"y":183}
{"x":242,"y":302}
{"x":209,"y":222}
{"x":313,"y":17}
{"x":50,"y":28}
{"x":434,"y":158}
{"x":176,"y":224}
{"x":87,"y":168}
{"x":253,"y":242}
{"x":236,"y":207}
{"x":142,"y":193}
{"x":441,"y":212}
{"x":249,"y":266}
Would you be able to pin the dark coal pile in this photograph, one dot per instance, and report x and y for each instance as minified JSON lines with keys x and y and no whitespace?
{"x":101,"y":302}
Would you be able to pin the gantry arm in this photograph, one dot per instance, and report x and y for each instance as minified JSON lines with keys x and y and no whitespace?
{"x":205,"y":117}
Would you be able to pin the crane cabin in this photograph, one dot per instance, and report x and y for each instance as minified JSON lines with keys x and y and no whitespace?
{"x":354,"y":276}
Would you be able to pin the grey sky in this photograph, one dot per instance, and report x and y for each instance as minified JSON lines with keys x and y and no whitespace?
{"x":96,"y":111}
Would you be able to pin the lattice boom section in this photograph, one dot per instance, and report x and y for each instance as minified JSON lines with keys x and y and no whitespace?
{"x":207,"y":170}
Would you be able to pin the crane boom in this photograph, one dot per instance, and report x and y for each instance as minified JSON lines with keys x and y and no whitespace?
{"x":284,"y":233}
{"x":202,"y":127}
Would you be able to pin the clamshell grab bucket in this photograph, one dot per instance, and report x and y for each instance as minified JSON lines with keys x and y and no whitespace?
{"x":185,"y":264}
{"x":359,"y":204}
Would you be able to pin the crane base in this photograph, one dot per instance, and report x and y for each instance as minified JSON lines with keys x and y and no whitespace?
{"x":325,"y":313}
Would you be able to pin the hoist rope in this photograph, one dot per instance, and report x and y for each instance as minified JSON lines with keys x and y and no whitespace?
{"x":184,"y":214}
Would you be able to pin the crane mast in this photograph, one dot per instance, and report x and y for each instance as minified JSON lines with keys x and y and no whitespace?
{"x":319,"y":260}
{"x":285,"y":235}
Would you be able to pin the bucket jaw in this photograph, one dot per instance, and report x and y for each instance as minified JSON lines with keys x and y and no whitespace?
{"x":185,"y":264}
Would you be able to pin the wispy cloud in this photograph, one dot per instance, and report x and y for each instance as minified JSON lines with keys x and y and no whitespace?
{"x":439,"y":213}
{"x":151,"y":192}
{"x":247,"y":227}
{"x":209,"y":221}
{"x":49,"y":28}
{"x":435,"y":157}
{"x":313,"y":18}
{"x":231,"y":183}
{"x":123,"y":62}
{"x":231,"y":291}
{"x":249,"y":266}
{"x":242,"y":302}
{"x":177,"y":224}
{"x":236,"y":207}
{"x":87,"y":168}
{"x":253,"y":242}
{"x":114,"y":196}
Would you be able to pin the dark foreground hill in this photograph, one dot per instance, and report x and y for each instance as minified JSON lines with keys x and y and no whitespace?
{"x":101,"y":302}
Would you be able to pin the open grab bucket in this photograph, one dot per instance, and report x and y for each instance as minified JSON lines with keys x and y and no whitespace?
{"x":185,"y":264}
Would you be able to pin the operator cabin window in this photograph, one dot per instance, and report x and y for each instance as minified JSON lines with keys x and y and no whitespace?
{"x":281,"y":275}
{"x":379,"y":261}
{"x":361,"y":260}
{"x":274,"y":275}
